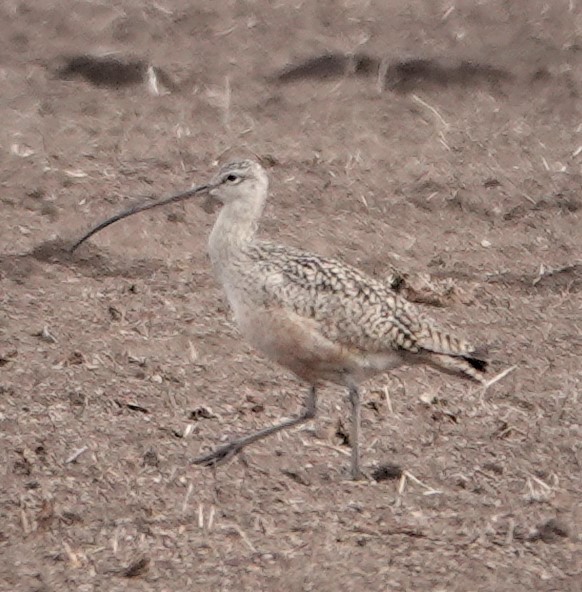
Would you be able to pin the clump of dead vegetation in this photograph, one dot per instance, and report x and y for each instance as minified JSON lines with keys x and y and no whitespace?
{"x":116,"y":72}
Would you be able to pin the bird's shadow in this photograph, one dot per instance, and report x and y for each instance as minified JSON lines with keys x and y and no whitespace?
{"x":89,"y":261}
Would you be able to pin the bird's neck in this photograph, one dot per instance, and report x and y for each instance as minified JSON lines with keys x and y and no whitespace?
{"x":235,"y":227}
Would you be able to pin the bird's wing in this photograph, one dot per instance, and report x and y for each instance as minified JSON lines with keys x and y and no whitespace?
{"x":349,"y":307}
{"x":358,"y":312}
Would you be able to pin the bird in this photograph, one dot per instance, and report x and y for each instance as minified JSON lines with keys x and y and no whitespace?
{"x":320,"y":318}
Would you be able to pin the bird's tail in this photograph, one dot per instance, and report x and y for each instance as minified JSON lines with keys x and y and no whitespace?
{"x":468,"y":366}
{"x":452,"y":354}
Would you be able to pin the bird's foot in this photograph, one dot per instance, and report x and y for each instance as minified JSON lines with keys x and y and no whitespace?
{"x":219,"y":456}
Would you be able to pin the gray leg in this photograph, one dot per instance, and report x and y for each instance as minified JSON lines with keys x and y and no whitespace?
{"x":224,"y":453}
{"x":355,"y":431}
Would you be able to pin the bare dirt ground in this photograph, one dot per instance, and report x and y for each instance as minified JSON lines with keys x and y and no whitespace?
{"x":448,"y":144}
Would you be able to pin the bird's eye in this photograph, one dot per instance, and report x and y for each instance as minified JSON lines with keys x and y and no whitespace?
{"x":231,"y":178}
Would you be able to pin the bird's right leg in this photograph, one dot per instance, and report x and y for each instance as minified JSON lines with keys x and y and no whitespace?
{"x":356,"y":404}
{"x":224,"y":453}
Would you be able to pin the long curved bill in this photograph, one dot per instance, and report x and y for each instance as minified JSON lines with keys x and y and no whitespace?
{"x":141,"y":207}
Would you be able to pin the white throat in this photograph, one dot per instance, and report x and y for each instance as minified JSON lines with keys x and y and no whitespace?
{"x":236,"y":225}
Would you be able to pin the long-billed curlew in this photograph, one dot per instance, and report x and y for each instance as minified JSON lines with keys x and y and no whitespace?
{"x":323,"y":320}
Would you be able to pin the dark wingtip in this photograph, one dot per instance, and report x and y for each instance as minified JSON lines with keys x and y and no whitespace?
{"x":477,"y":363}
